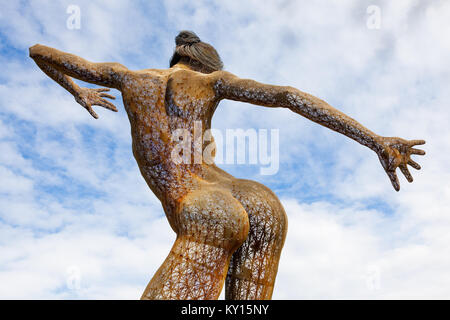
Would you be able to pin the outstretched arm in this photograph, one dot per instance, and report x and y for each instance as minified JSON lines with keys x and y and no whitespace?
{"x":393,"y":152}
{"x":58,"y":65}
{"x":103,"y":74}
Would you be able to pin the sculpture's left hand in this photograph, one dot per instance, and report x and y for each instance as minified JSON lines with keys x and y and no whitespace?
{"x":89,"y":97}
{"x":396,"y":152}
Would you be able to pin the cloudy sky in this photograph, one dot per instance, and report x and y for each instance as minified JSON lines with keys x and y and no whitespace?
{"x":77,"y":220}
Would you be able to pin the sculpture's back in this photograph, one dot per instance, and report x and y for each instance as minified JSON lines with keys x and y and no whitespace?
{"x":210,"y":210}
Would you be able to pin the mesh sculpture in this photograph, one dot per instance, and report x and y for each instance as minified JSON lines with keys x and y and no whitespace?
{"x":229,"y":231}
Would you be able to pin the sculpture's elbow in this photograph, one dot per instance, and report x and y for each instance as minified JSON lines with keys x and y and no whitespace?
{"x":286,"y":97}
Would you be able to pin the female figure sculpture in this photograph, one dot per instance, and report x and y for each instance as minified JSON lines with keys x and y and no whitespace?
{"x":229,"y":231}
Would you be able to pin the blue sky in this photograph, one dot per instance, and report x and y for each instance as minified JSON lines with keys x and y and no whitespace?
{"x":78,"y":221}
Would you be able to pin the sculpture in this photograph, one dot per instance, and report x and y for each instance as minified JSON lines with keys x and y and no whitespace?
{"x":228,"y":230}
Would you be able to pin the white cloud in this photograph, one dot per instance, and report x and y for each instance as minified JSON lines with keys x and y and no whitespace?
{"x":340,"y":252}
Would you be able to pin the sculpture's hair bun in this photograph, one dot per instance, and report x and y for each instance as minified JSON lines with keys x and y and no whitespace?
{"x":186,"y":38}
{"x":196,"y":53}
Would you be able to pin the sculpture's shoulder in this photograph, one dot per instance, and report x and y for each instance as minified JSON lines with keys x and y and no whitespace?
{"x":148,"y":74}
{"x":185,"y":78}
{"x":180,"y":74}
{"x":145,"y":78}
{"x":177,"y":80}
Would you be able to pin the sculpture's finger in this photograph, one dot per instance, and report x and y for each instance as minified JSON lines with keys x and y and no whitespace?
{"x":108,"y":105}
{"x":394,"y":179}
{"x":101,"y":89}
{"x":406,"y":173}
{"x":417,"y":151}
{"x":107,"y":96}
{"x":416,"y":142}
{"x":92,"y":112}
{"x":414,"y":164}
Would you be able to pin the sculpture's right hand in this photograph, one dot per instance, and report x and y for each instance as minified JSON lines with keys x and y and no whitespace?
{"x":89,"y":97}
{"x":396,"y":153}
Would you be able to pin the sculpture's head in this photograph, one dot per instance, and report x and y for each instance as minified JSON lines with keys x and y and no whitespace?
{"x":192,"y":51}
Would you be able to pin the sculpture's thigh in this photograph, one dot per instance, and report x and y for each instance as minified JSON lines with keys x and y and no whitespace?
{"x":254,"y":265}
{"x":211,"y":225}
